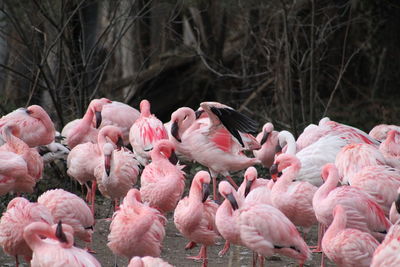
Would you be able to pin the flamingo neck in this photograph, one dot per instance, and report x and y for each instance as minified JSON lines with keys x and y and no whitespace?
{"x":290,"y":141}
{"x":328,"y":185}
{"x":195,"y":193}
{"x":33,"y":232}
{"x":287,"y":177}
{"x":145,"y":108}
{"x":338,"y":224}
{"x":14,"y":142}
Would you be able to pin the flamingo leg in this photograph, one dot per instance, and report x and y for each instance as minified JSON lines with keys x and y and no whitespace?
{"x":94,"y":185}
{"x":322,"y":260}
{"x":16,"y":261}
{"x":321,"y":231}
{"x":202,"y":256}
{"x":88,"y":194}
{"x":215,"y":192}
{"x":88,"y":248}
{"x":255,"y":257}
{"x":190,"y":245}
{"x":224,"y":249}
{"x":261,"y":257}
{"x":232,"y":182}
{"x":116,"y":204}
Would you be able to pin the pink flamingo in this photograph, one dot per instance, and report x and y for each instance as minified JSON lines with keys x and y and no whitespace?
{"x":262,"y":228}
{"x":251,"y":182}
{"x":294,"y":199}
{"x":387,"y":253}
{"x":194,"y":216}
{"x":119,"y":115}
{"x":85,"y":130}
{"x":352,"y":158}
{"x":268,"y":139}
{"x":347,"y":247}
{"x":82,"y":169}
{"x":20,"y":213}
{"x":379,"y":132}
{"x":148,"y":262}
{"x":57,"y":249}
{"x":390,"y":148}
{"x":145,"y":132}
{"x":162,"y":182}
{"x":72,"y":210}
{"x":362,"y":212}
{"x":215,"y":141}
{"x":136,"y":229}
{"x":380,"y":182}
{"x":117,"y":173}
{"x":36,"y":126}
{"x":14,"y":176}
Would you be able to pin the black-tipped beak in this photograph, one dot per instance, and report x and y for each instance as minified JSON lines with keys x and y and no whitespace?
{"x":278,"y":148}
{"x":120,"y":142}
{"x":273,"y":169}
{"x":397,"y":203}
{"x":60,"y":234}
{"x":173,"y":158}
{"x":247,"y":189}
{"x":175,"y":131}
{"x":264,"y":138}
{"x":205,"y":191}
{"x":232,"y":200}
{"x":98,"y":119}
{"x":198,"y":113}
{"x":107,"y":164}
{"x":28,"y":111}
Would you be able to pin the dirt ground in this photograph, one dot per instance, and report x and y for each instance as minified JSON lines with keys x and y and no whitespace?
{"x":173,"y":248}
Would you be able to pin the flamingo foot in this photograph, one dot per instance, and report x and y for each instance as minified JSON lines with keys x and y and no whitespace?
{"x":224,"y":249}
{"x":190,"y":245}
{"x":201,"y":257}
{"x":90,"y":250}
{"x":316,"y":249}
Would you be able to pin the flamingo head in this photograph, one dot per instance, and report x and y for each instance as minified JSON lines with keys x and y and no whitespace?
{"x":250,"y":176}
{"x":227,"y":191}
{"x":64,"y":234}
{"x":107,"y":151}
{"x":37,"y":112}
{"x":96,"y":105}
{"x":180,"y":121}
{"x":267,"y":130}
{"x":328,"y":169}
{"x":166,"y":148}
{"x":203,"y":179}
{"x":282,"y":162}
{"x":113,"y":134}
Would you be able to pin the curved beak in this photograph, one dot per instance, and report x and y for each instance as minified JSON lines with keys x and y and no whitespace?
{"x":247,"y":189}
{"x":120,"y":142}
{"x":264,"y":138}
{"x":174,"y":131}
{"x":60,"y":234}
{"x":206,"y":191}
{"x":98,"y":119}
{"x":107,"y":164}
{"x":173,"y":158}
{"x":233,"y":202}
{"x":198,"y":113}
{"x":397,"y":203}
{"x":278,"y":148}
{"x":273,"y":169}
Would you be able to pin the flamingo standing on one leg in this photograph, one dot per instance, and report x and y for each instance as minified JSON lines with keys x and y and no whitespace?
{"x":117,"y":173}
{"x":347,"y":246}
{"x":162,"y":182}
{"x":20,"y":213}
{"x":36,"y":126}
{"x":145,"y":132}
{"x":194,"y":216}
{"x":136,"y":228}
{"x":57,"y":249}
{"x":72,"y":210}
{"x":268,"y":139}
{"x":387,"y":253}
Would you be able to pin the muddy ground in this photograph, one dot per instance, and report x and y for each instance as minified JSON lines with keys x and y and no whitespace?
{"x":173,"y":248}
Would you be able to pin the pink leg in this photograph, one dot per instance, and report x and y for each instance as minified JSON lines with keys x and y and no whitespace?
{"x":261,"y":257}
{"x":224,"y":249}
{"x":94,"y":184}
{"x":255,"y":256}
{"x":16,"y":261}
{"x":202,"y":256}
{"x":232,"y":182}
{"x":190,"y":245}
{"x":116,"y":204}
{"x":322,"y":260}
{"x":89,"y":249}
{"x":321,"y":231}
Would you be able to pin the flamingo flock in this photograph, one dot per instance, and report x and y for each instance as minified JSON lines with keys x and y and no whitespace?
{"x":335,"y":176}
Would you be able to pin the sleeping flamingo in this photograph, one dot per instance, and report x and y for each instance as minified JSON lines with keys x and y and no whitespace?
{"x":162,"y":182}
{"x":148,"y":262}
{"x":194,"y":215}
{"x":346,"y":246}
{"x":117,"y":172}
{"x":145,"y":132}
{"x":136,"y":228}
{"x":72,"y":210}
{"x":390,"y":148}
{"x":379,"y":132}
{"x":262,"y":228}
{"x":215,"y":141}
{"x":35,"y":125}
{"x":20,"y":213}
{"x":394,"y":213}
{"x":268,"y":139}
{"x":293,"y":198}
{"x":387,"y":253}
{"x":57,"y":249}
{"x":82,"y":169}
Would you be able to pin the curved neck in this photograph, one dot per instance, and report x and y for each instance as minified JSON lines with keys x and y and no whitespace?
{"x":14,"y":142}
{"x":195,"y":193}
{"x":145,"y":108}
{"x":33,"y":232}
{"x":288,"y":138}
{"x":287,"y":177}
{"x":338,"y":224}
{"x":188,"y":121}
{"x":330,"y":184}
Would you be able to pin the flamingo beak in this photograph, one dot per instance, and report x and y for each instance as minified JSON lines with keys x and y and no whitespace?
{"x":120,"y":142}
{"x":98,"y":119}
{"x":60,"y":234}
{"x":107,"y":164}
{"x":397,"y":203}
{"x":206,"y":191}
{"x":264,"y":138}
{"x":174,"y":131}
{"x":247,"y":189}
{"x":173,"y":158}
{"x":198,"y":113}
{"x":233,"y":202}
{"x":273,"y":170}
